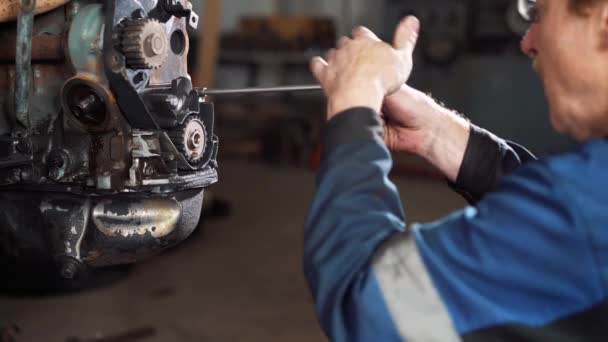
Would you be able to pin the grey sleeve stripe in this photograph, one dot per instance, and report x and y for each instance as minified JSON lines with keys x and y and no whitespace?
{"x":413,"y":302}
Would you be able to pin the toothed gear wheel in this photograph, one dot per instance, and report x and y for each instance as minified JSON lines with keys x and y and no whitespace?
{"x":144,"y":43}
{"x":191,"y":139}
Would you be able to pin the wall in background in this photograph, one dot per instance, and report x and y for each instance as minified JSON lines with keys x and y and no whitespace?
{"x":359,"y":12}
{"x":497,"y":92}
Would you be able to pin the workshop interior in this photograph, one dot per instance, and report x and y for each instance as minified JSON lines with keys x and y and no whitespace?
{"x":157,"y":157}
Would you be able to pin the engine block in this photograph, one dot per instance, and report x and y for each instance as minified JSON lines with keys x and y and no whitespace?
{"x":105,"y":147}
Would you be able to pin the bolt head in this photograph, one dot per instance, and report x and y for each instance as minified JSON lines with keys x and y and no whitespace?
{"x":25,"y":175}
{"x":68,"y":271}
{"x":55,"y":174}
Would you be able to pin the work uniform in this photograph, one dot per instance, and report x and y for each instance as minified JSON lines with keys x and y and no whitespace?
{"x":526,"y":261}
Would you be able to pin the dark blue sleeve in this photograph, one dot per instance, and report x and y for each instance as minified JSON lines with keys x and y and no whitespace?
{"x":355,"y":209}
{"x":486,"y":160}
{"x":520,"y":256}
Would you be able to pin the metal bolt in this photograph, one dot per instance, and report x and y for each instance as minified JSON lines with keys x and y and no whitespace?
{"x":26,"y":175}
{"x":22,"y":146}
{"x":139,"y":14}
{"x":158,"y":44}
{"x":56,"y":174}
{"x":88,"y":107}
{"x":194,"y":141}
{"x":84,"y":106}
{"x":172,"y":101}
{"x":69,"y":270}
{"x":16,"y":176}
{"x":57,"y":164}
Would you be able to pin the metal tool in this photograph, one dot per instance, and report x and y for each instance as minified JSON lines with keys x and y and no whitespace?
{"x":258,"y":90}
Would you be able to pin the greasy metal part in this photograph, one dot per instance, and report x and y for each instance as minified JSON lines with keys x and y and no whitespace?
{"x":98,"y":181}
{"x":87,"y":104}
{"x":243,"y":91}
{"x":97,"y":230}
{"x":180,"y":10}
{"x":144,"y":43}
{"x":85,"y":40}
{"x":68,"y":218}
{"x":45,"y":48}
{"x":156,"y":216}
{"x":128,"y":99}
{"x":9,"y":9}
{"x":191,"y":139}
{"x":23,"y":62}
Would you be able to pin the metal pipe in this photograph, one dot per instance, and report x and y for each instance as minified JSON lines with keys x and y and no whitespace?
{"x":23,"y":61}
{"x":266,"y":90}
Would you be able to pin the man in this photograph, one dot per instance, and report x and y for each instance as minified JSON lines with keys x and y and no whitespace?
{"x":528,"y":261}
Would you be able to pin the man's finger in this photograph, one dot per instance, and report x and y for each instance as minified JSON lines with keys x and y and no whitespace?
{"x":318,"y":66}
{"x":364,"y":32}
{"x":343,"y":41}
{"x":406,"y":34}
{"x":330,"y":55}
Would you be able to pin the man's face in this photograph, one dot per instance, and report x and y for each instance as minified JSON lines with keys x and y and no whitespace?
{"x":569,"y":52}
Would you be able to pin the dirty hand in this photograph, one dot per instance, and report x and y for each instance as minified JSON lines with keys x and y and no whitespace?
{"x":362,"y":70}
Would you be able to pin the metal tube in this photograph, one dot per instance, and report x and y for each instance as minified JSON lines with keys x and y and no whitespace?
{"x":23,"y":61}
{"x":268,"y":90}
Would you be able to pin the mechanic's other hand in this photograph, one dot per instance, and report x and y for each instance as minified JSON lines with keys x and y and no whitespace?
{"x":415,"y":123}
{"x":362,"y":70}
{"x":409,"y":116}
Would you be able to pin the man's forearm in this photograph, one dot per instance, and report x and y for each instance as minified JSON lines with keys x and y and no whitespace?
{"x":471,"y":158}
{"x":422,"y":126}
{"x":448,"y":141}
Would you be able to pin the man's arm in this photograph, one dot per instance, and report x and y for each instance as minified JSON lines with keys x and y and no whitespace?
{"x":472,"y":159}
{"x":486,"y":160}
{"x":357,"y":208}
{"x":514,"y":265}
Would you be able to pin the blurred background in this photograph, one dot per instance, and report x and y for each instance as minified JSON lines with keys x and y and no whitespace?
{"x":239,"y":278}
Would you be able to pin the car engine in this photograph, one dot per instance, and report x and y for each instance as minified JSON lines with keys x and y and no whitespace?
{"x":105,"y":146}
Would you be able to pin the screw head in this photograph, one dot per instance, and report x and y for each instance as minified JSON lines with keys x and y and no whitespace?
{"x":69,"y":270}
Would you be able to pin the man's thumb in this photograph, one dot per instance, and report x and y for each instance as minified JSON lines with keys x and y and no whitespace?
{"x":406,"y":34}
{"x":318,"y":66}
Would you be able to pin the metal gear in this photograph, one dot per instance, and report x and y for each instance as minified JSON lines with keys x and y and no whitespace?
{"x":191,"y":139}
{"x":144,"y":43}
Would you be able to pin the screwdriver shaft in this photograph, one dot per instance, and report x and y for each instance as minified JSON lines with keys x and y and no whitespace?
{"x":258,"y":90}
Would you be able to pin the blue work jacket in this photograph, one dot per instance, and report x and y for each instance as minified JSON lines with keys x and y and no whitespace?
{"x":526,"y":261}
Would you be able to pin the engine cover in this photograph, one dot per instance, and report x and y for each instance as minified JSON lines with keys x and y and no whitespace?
{"x":105,"y":147}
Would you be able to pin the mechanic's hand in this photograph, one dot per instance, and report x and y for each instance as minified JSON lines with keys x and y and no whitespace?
{"x":410,"y":117}
{"x":416,"y":123}
{"x":361,"y":71}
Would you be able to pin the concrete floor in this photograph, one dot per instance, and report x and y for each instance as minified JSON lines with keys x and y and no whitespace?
{"x":239,"y":279}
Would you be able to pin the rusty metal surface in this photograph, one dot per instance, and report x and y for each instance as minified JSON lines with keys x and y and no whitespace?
{"x":9,"y":9}
{"x":45,"y":48}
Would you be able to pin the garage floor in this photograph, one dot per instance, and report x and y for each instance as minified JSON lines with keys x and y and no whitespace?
{"x":237,"y":279}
